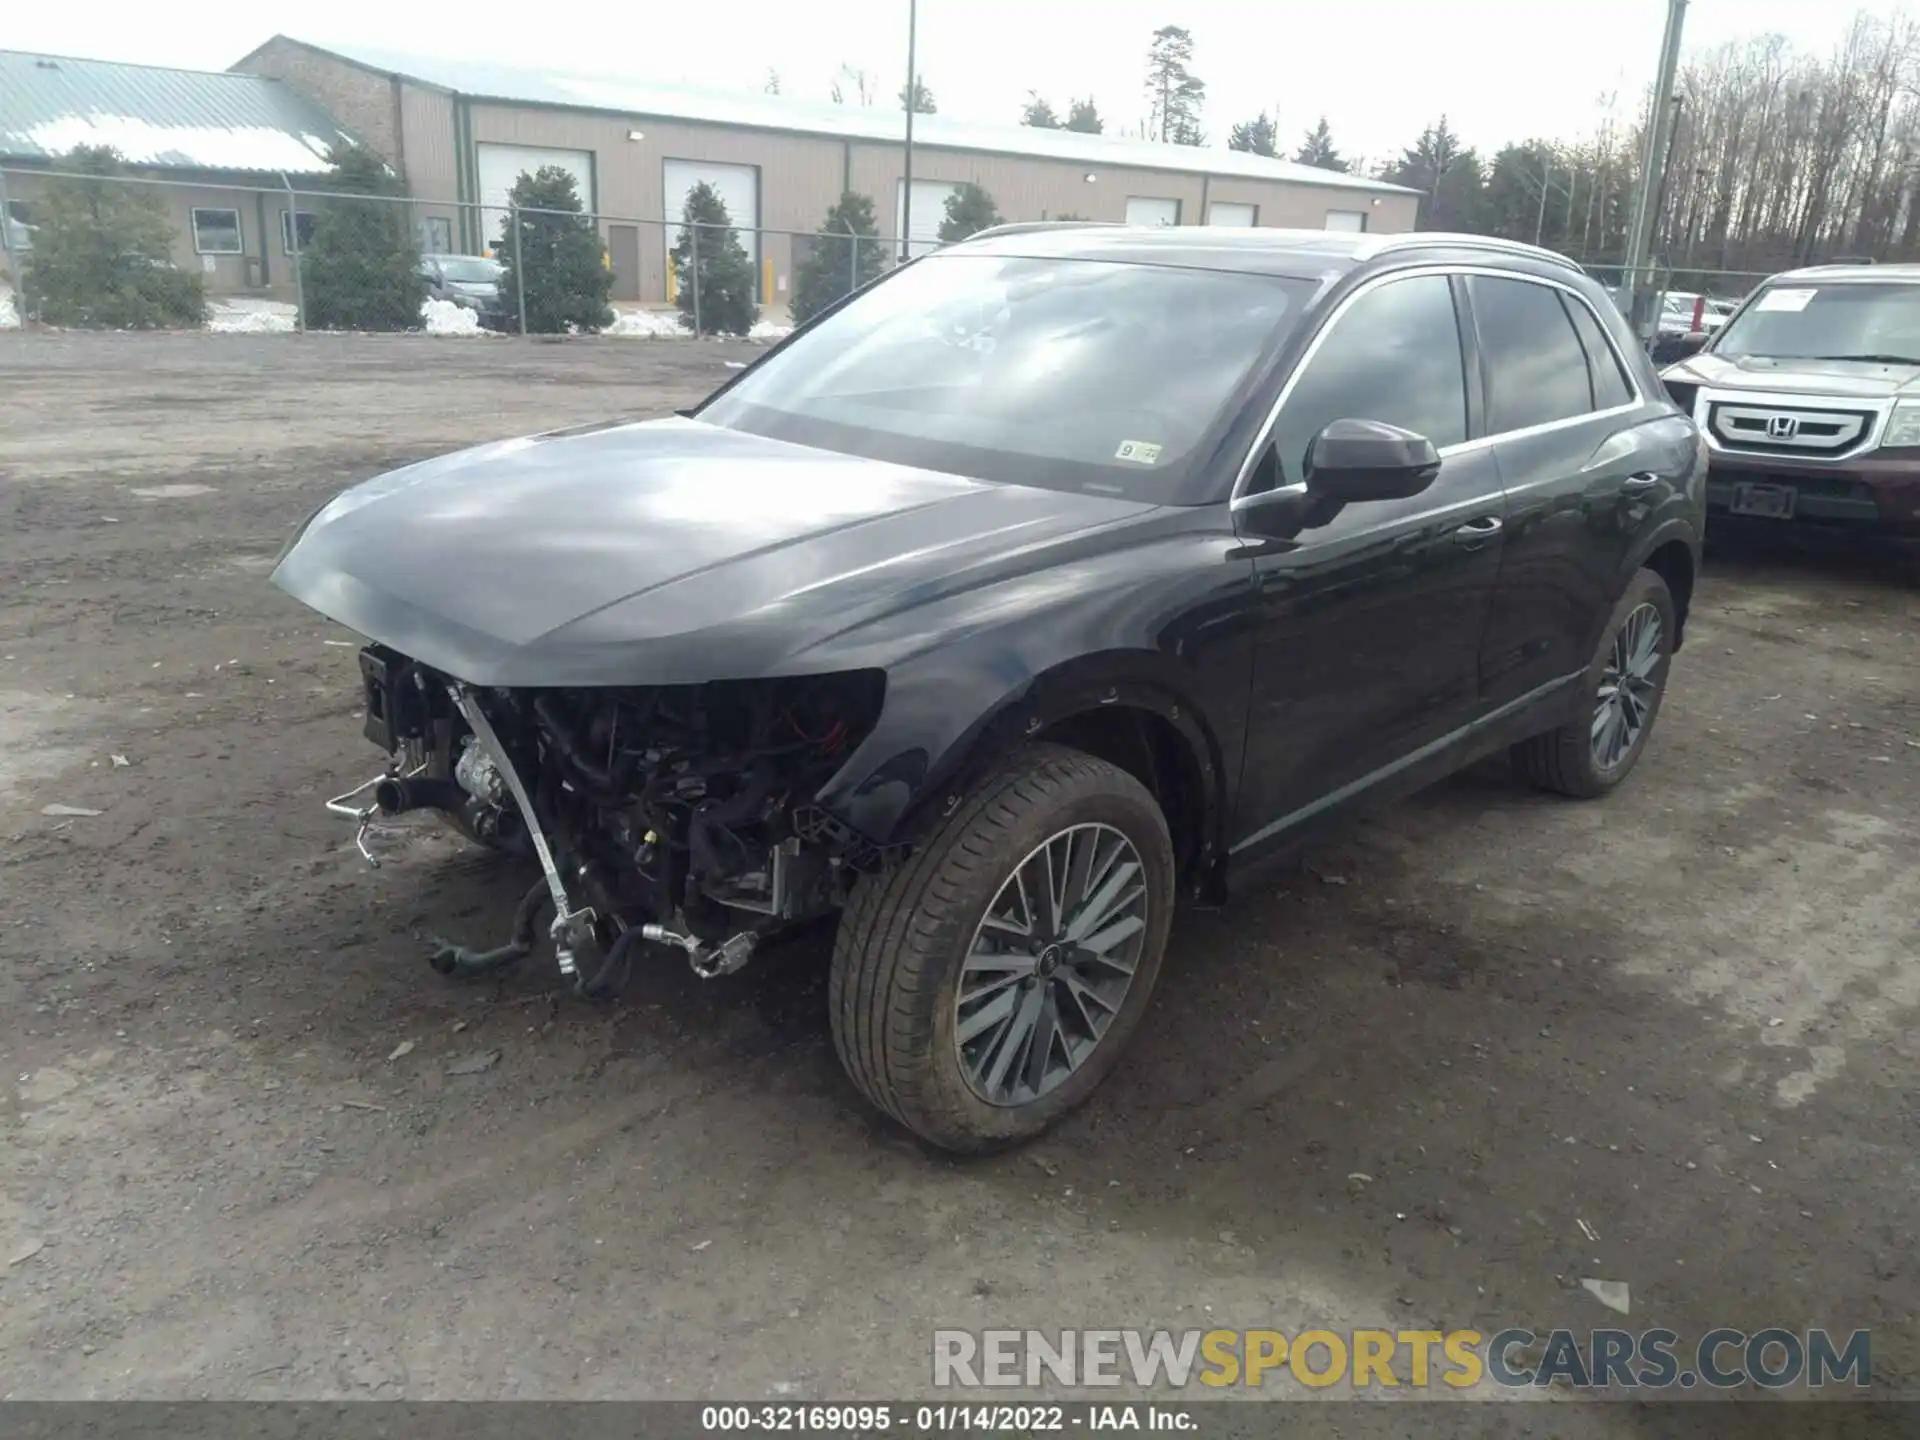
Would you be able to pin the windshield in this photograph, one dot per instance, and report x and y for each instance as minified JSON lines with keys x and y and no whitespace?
{"x":467,"y":271}
{"x":1068,"y":374}
{"x":1851,"y":320}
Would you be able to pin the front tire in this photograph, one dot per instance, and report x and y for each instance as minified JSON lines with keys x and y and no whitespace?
{"x":986,"y":987}
{"x":1590,"y":755}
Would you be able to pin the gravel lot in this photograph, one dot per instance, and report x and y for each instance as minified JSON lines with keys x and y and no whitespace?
{"x":1684,"y":1017}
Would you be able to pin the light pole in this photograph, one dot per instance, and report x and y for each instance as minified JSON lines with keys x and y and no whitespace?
{"x":1653,"y":158}
{"x":913,"y":100}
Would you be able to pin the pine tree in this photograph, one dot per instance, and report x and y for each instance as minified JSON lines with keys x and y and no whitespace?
{"x":1176,"y":95}
{"x":846,"y":253}
{"x":969,"y":211}
{"x":565,"y":276}
{"x":1038,"y":113}
{"x":1438,"y":164}
{"x":103,"y":253}
{"x":922,"y":103}
{"x":1258,"y":136}
{"x":361,"y":269}
{"x":721,"y":285}
{"x":1084,"y":117}
{"x":1317,"y":149}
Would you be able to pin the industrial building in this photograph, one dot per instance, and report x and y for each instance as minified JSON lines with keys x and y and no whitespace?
{"x":229,"y":144}
{"x":462,"y":132}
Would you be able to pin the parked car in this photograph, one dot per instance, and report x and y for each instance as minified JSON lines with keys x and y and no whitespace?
{"x":472,"y":281}
{"x":1063,"y":573}
{"x":1809,"y":400}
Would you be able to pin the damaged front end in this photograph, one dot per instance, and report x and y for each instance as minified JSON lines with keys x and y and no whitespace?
{"x":680,"y":815}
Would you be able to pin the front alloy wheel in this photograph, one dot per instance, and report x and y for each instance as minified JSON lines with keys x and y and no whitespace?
{"x":985,"y":987}
{"x":1050,"y":964}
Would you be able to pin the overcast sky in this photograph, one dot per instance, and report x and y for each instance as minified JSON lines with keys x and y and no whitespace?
{"x":1378,"y":69}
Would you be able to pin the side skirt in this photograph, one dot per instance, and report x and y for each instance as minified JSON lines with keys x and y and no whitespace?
{"x":1527,"y":715}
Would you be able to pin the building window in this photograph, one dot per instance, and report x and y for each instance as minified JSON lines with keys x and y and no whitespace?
{"x":17,"y":233}
{"x":216,"y":232}
{"x":286,"y":231}
{"x":1351,"y":220}
{"x":436,"y":235}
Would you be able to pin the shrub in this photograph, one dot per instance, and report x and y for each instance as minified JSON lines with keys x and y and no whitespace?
{"x":557,"y":258}
{"x":103,"y":254}
{"x":722,"y":282}
{"x":361,"y":269}
{"x":848,"y":250}
{"x":969,"y":211}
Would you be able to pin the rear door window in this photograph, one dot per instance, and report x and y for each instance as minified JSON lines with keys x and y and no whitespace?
{"x":1536,"y":368}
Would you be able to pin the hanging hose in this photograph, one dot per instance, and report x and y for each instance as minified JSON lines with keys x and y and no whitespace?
{"x":614,"y":972}
{"x":450,"y":959}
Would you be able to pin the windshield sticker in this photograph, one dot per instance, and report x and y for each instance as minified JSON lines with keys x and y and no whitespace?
{"x":1785,"y":299}
{"x":1140,"y":452}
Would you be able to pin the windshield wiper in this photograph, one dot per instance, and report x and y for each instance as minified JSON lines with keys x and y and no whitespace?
{"x":1872,"y":359}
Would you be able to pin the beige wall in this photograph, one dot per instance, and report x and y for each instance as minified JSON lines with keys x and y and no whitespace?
{"x":800,"y":176}
{"x":366,"y":103}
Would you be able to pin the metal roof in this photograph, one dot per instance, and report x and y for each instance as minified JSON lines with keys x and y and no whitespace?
{"x":647,"y":99}
{"x":167,"y":119}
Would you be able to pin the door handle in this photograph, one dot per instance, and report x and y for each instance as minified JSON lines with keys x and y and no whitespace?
{"x":1640,"y":480}
{"x":1478,"y":532}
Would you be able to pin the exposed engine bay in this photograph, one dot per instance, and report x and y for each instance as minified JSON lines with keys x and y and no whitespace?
{"x":678,"y":815}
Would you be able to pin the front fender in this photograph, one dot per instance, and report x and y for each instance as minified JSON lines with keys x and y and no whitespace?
{"x":1162,"y":626}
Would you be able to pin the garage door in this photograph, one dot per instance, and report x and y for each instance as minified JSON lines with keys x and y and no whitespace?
{"x":502,"y":165}
{"x":738,"y":186}
{"x":1355,"y":220}
{"x":1228,"y":212}
{"x":929,"y":211}
{"x":1150,"y":210}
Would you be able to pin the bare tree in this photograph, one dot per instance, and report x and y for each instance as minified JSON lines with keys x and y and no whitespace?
{"x":1780,"y":156}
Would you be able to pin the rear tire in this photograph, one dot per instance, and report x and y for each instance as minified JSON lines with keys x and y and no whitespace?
{"x":1589,"y":756}
{"x":934,"y":975}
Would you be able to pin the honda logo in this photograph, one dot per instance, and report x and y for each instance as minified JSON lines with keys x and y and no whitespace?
{"x":1782,"y":427}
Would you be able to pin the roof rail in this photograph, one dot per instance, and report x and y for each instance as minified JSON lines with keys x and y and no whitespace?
{"x":1023,"y":227}
{"x":1438,"y":239}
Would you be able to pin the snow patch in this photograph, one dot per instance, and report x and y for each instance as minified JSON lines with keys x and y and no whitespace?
{"x":443,"y":317}
{"x":251,"y":317}
{"x":200,"y":147}
{"x":766,"y":331}
{"x":9,"y":317}
{"x":647,"y":325}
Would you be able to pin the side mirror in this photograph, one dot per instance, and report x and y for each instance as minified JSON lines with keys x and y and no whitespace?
{"x":1358,"y":460}
{"x":1693,"y":342}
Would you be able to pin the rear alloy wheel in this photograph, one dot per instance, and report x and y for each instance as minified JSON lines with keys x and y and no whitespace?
{"x":984,"y":988}
{"x":1587,"y":757}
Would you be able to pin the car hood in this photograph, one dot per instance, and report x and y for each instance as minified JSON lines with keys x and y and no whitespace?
{"x":1846,"y":379}
{"x":662,"y":552}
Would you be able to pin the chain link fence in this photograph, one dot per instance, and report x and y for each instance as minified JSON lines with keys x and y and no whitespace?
{"x":484,"y":266}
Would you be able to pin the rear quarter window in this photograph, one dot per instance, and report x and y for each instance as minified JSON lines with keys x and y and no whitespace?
{"x":1610,"y":384}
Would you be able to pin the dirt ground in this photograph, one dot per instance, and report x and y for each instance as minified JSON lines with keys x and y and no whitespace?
{"x":1386,"y":1088}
